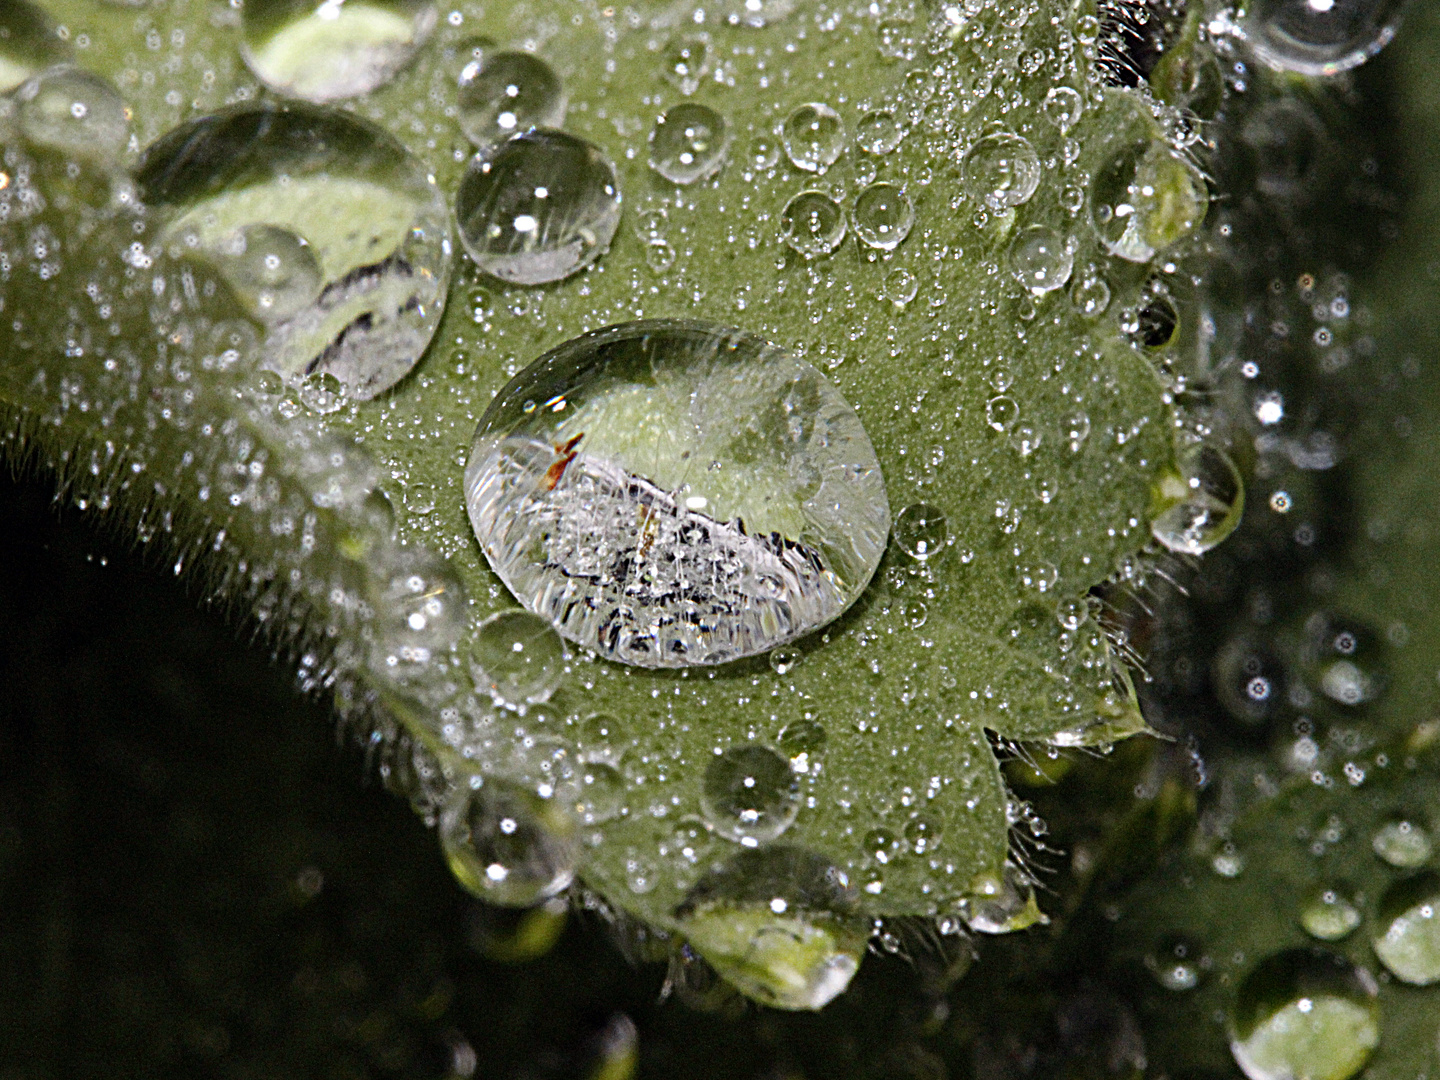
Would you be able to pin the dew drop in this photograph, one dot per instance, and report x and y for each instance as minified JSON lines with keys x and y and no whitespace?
{"x":921,"y":531}
{"x":1003,"y":905}
{"x":517,"y":658}
{"x":1403,"y":843}
{"x":879,"y":132}
{"x":687,"y":494}
{"x":1409,"y":941}
{"x":323,"y":393}
{"x":1145,"y":199}
{"x":924,"y":832}
{"x":660,"y":255}
{"x":1320,"y":37}
{"x":688,"y":143}
{"x":900,"y":286}
{"x":506,"y":93}
{"x":814,"y":137}
{"x":1329,"y":915}
{"x":332,"y":50}
{"x":1090,"y":296}
{"x":1001,"y":412}
{"x":763,"y":153}
{"x":1304,"y":1013}
{"x":74,"y":113}
{"x":685,"y":61}
{"x":884,"y":216}
{"x":1178,"y":962}
{"x":1075,"y":429}
{"x":602,"y":793}
{"x":369,"y":218}
{"x":538,"y":208}
{"x":1001,"y":170}
{"x":803,"y":737}
{"x":1249,"y":681}
{"x":784,"y":659}
{"x":750,"y":794}
{"x":914,"y":613}
{"x":1041,"y":259}
{"x":506,"y":845}
{"x":1073,"y":612}
{"x":1347,"y":661}
{"x":812,"y":223}
{"x":1064,"y":106}
{"x":419,"y":613}
{"x":1204,"y":501}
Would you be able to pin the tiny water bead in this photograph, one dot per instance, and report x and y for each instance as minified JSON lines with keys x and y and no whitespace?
{"x":672,"y":493}
{"x":688,"y":143}
{"x":1409,"y":920}
{"x":1403,"y":843}
{"x":814,"y":137}
{"x":269,"y":194}
{"x":879,"y":132}
{"x":517,"y":658}
{"x":750,"y":794}
{"x":28,"y":43}
{"x":812,"y":223}
{"x":1304,"y":1013}
{"x":900,"y":286}
{"x":1090,"y":296}
{"x":419,"y":609}
{"x":332,"y":50}
{"x":1347,"y":661}
{"x":685,"y":61}
{"x":505,"y":93}
{"x":538,"y":207}
{"x":1064,"y":106}
{"x":506,"y":845}
{"x":1249,"y":681}
{"x":74,"y":113}
{"x":803,"y":738}
{"x":1041,"y":259}
{"x":1320,"y":37}
{"x":1330,"y":915}
{"x":921,"y":531}
{"x":884,"y":216}
{"x":924,"y":832}
{"x":784,"y":659}
{"x":602,"y":793}
{"x":1203,"y":501}
{"x":1145,"y":199}
{"x":1178,"y":962}
{"x":1002,"y":412}
{"x":1001,"y":170}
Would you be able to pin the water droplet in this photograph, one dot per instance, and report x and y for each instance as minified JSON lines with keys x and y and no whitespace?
{"x":602,"y":732}
{"x":602,"y":793}
{"x":506,"y":845}
{"x":1409,"y":942}
{"x":781,"y":924}
{"x":924,"y":832}
{"x":688,"y":143}
{"x":1178,"y":962}
{"x":505,"y":93}
{"x":1002,"y":412}
{"x":1347,"y":660}
{"x":1073,"y":612}
{"x":1001,"y":170}
{"x":685,"y":61}
{"x":1041,"y":259}
{"x":369,"y":218}
{"x":1064,"y":106}
{"x":323,"y":393}
{"x":660,"y":255}
{"x":1204,"y":501}
{"x":814,"y":137}
{"x":332,"y":50}
{"x":1249,"y":681}
{"x":28,"y":43}
{"x":803,"y":737}
{"x":1320,"y":37}
{"x":686,"y":494}
{"x":921,"y":531}
{"x":274,"y":274}
{"x":1304,"y":1013}
{"x":419,"y":606}
{"x":1075,"y":429}
{"x":879,"y":132}
{"x":1145,"y":199}
{"x":901,"y":286}
{"x":784,"y":659}
{"x":751,"y":794}
{"x":914,"y":613}
{"x":1403,"y":842}
{"x":1329,"y":915}
{"x":538,"y":208}
{"x":1090,"y":296}
{"x":518,"y":658}
{"x":1156,"y":323}
{"x":1003,"y":905}
{"x":764,"y":152}
{"x":812,"y":223}
{"x":74,"y":113}
{"x":883,"y":216}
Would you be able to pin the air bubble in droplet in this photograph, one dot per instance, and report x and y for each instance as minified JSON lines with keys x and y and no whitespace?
{"x":517,"y":658}
{"x":814,"y":137}
{"x":884,"y":215}
{"x":72,"y":112}
{"x":1329,"y":915}
{"x":538,"y":208}
{"x":879,"y":132}
{"x":921,"y":531}
{"x":688,"y":143}
{"x":750,"y":794}
{"x":332,"y":50}
{"x":506,"y":845}
{"x":1145,"y":199}
{"x":1041,"y":259}
{"x":1320,"y":37}
{"x":812,"y":223}
{"x":682,"y":494}
{"x":1403,"y":843}
{"x":1204,"y":501}
{"x":1001,"y":170}
{"x":1409,"y":920}
{"x":506,"y":93}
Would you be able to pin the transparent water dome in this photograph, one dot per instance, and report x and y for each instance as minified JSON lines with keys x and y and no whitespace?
{"x":328,"y":232}
{"x":1320,"y":37}
{"x":672,"y":493}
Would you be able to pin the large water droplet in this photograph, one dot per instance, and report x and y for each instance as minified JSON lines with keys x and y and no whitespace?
{"x":1145,"y":199}
{"x":1304,"y":1013}
{"x":1403,"y":842}
{"x":751,"y":794}
{"x":1002,"y":905}
{"x":677,"y":493}
{"x":1001,"y":170}
{"x":419,"y":613}
{"x":812,"y":223}
{"x":1204,"y":501}
{"x":781,"y":924}
{"x":1320,"y":37}
{"x":1409,"y":941}
{"x":688,"y":143}
{"x":74,"y":113}
{"x":1329,"y":915}
{"x":518,"y":658}
{"x":506,"y":845}
{"x":1041,"y":259}
{"x":28,"y":43}
{"x":505,"y":93}
{"x":814,"y":137}
{"x":921,"y":531}
{"x":332,"y":50}
{"x":538,"y":207}
{"x":368,"y":217}
{"x":884,"y":215}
